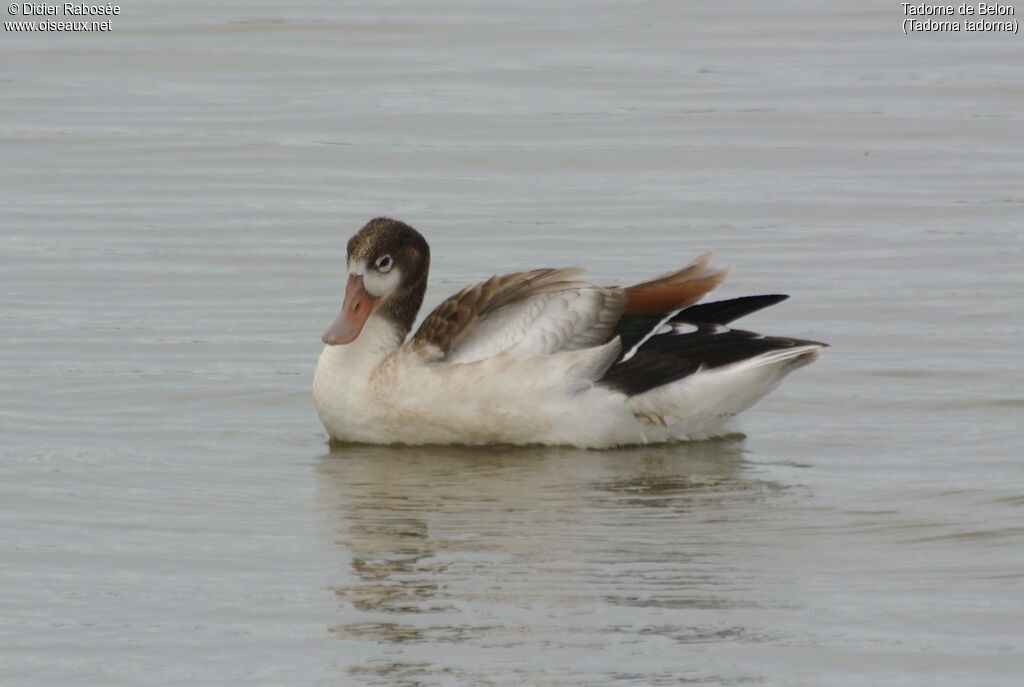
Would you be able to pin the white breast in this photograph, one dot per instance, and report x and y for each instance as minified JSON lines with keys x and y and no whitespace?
{"x":503,"y":399}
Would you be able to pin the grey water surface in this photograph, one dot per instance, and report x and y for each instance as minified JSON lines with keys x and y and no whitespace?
{"x":175,"y":196}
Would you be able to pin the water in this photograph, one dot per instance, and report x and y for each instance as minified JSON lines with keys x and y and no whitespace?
{"x":175,"y":199}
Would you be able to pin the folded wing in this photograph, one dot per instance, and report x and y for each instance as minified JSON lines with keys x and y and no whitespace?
{"x":525,"y":313}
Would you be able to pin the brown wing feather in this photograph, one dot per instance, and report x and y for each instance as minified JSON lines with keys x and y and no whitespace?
{"x":675,"y":290}
{"x":448,"y":322}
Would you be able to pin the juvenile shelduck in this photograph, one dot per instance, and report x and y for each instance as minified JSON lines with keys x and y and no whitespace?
{"x":538,"y":357}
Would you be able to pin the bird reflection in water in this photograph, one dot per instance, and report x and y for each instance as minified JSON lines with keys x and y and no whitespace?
{"x":494,"y":547}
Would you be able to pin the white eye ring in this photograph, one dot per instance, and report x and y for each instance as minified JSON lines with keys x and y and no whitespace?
{"x":384,"y":263}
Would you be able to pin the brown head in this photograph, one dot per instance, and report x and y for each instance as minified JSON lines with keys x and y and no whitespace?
{"x":388,"y":262}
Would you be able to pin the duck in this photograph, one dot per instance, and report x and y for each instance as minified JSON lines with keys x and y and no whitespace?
{"x":538,"y":356}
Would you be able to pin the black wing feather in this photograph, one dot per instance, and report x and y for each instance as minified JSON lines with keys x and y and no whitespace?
{"x":724,"y":312}
{"x":695,"y":339}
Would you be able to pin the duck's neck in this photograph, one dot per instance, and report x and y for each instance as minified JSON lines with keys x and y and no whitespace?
{"x":400,"y":309}
{"x":379,"y":339}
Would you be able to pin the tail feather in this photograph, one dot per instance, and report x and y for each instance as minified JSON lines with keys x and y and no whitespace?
{"x":675,"y":290}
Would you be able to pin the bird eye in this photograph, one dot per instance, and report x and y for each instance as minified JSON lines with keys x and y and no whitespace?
{"x":383,"y":263}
